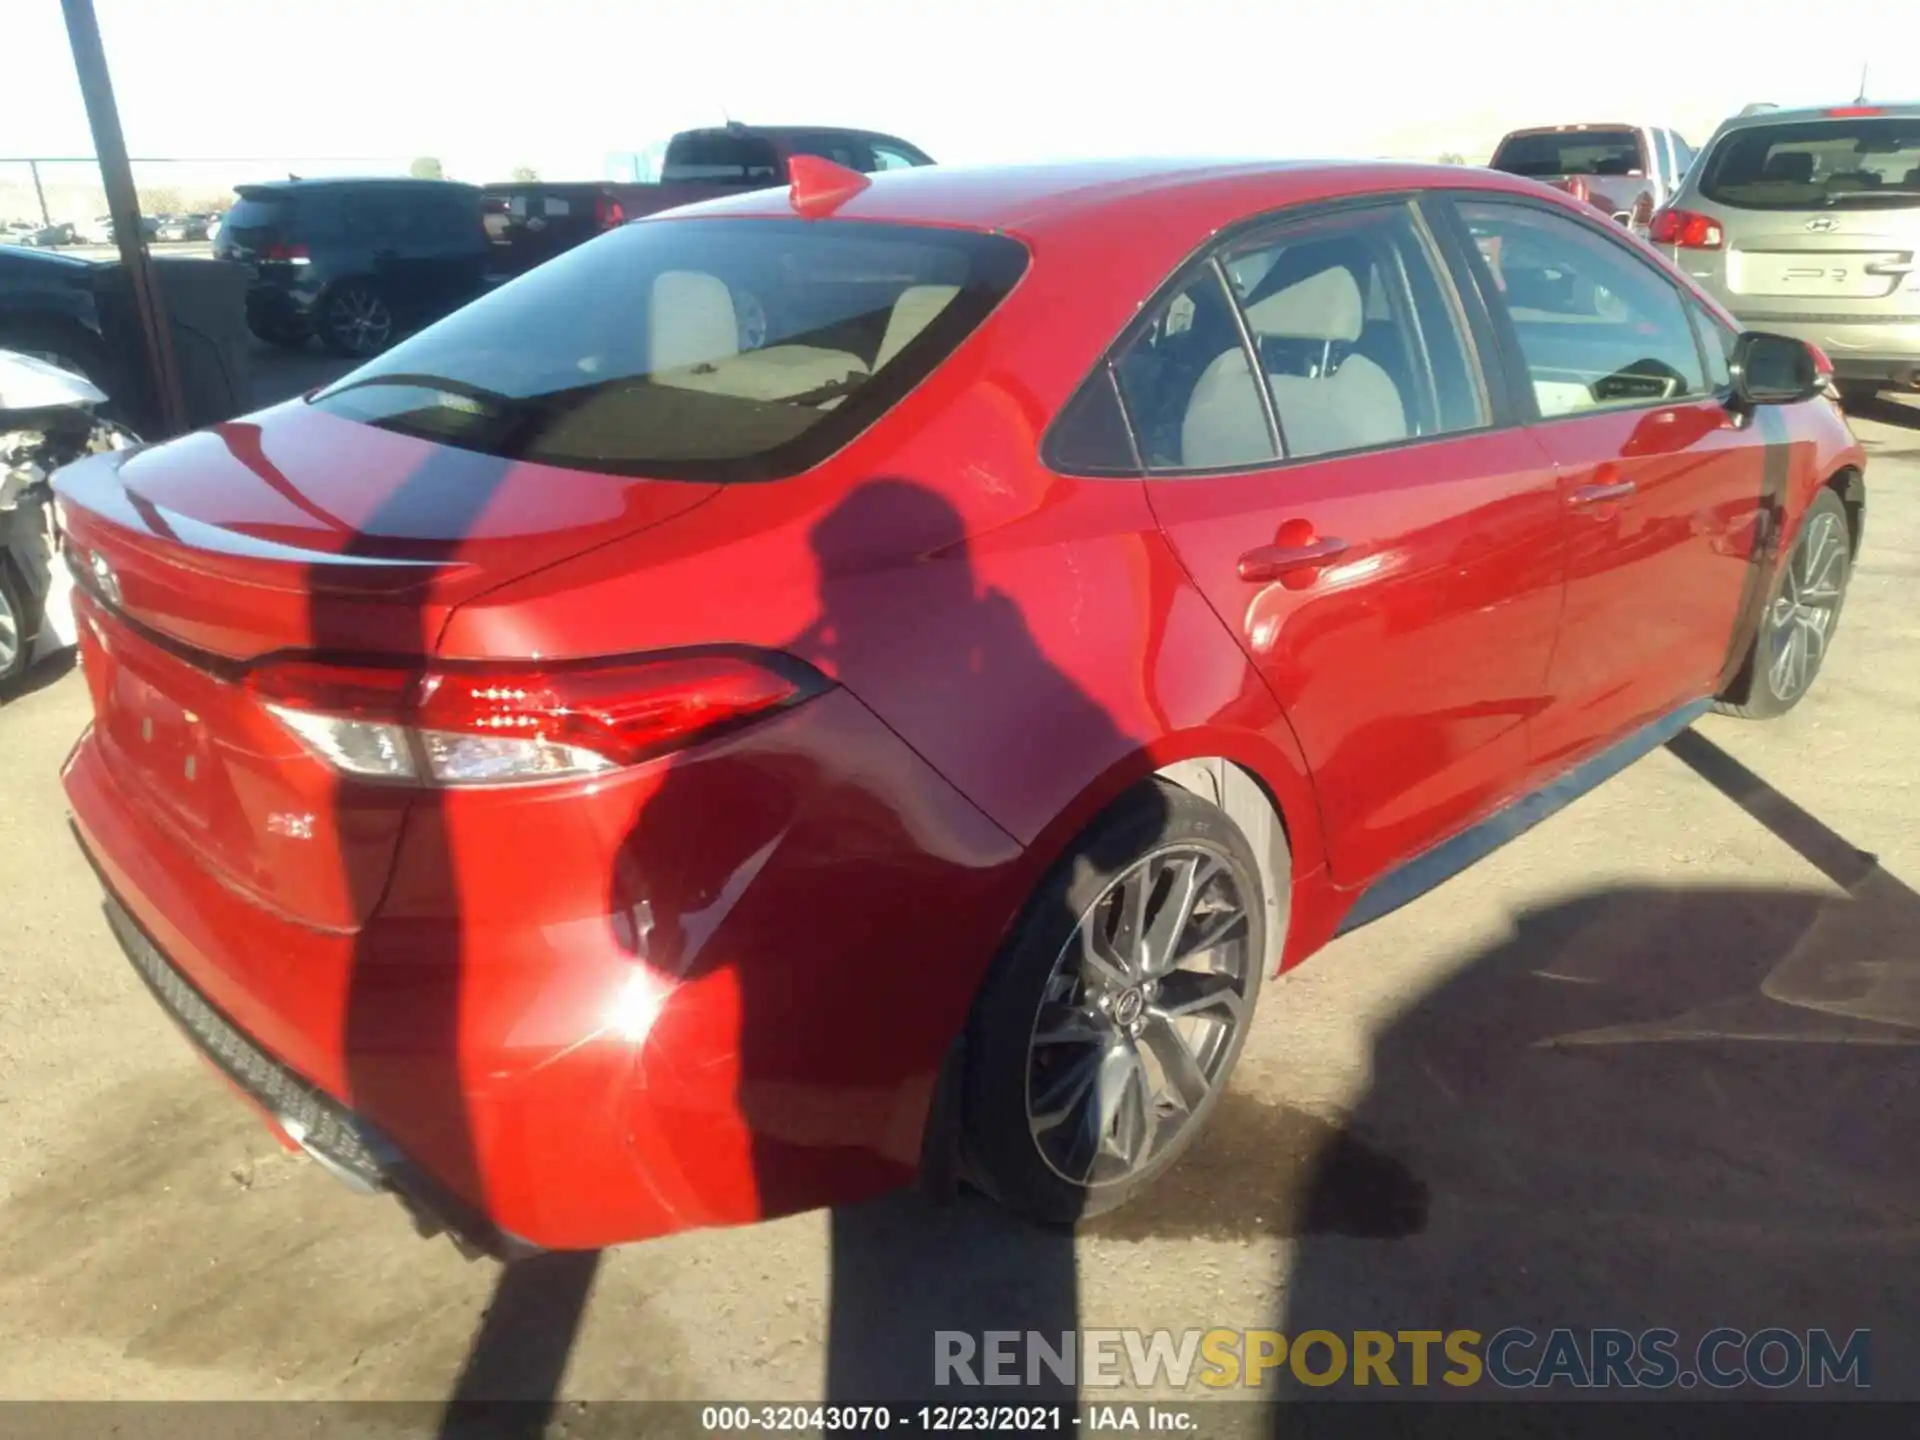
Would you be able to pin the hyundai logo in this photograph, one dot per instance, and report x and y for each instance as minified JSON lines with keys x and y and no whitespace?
{"x":104,"y":577}
{"x":1823,"y":223}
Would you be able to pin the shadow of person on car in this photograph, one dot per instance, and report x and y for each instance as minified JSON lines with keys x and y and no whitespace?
{"x":402,"y":1004}
{"x":1645,"y":1107}
{"x":850,"y":894}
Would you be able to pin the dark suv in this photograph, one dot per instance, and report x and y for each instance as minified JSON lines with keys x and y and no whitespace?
{"x":356,"y":262}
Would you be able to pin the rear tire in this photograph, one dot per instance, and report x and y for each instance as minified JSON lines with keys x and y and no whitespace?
{"x":1144,"y":1033}
{"x":356,"y":321}
{"x":1801,"y":617}
{"x":16,"y":631}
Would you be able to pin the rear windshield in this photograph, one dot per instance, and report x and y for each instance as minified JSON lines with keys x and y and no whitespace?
{"x":258,"y":215}
{"x":1571,"y":152}
{"x":720,"y":156}
{"x":739,"y":349}
{"x":1855,"y":163}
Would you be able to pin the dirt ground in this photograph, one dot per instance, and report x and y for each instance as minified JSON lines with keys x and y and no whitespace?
{"x":1653,"y":1064}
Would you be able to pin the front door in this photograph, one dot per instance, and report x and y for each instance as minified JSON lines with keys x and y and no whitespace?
{"x":1662,"y":486}
{"x":1390,"y":561}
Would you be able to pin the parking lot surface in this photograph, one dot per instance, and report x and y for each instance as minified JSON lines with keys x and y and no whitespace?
{"x":1653,"y":1064}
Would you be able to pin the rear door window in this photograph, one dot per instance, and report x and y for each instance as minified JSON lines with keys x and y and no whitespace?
{"x":1842,"y":163}
{"x":1356,"y":332}
{"x":719,"y":350}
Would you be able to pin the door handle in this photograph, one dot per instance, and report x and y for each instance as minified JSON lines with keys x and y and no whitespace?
{"x":1270,"y":562}
{"x":1601,"y":494}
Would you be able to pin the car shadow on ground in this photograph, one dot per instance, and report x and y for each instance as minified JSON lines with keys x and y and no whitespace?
{"x":1887,"y":410}
{"x":1652,"y":1106}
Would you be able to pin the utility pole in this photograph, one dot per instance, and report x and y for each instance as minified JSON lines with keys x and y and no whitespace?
{"x":33,"y":169}
{"x":123,"y":204}
{"x":1861,"y":99}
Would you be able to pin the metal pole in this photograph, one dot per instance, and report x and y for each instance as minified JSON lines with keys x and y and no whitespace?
{"x":33,"y":167}
{"x":123,"y":203}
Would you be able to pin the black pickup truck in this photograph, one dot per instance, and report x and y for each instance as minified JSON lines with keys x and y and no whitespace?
{"x":529,"y":222}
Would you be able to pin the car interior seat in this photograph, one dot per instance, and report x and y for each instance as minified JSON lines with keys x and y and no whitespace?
{"x":1794,"y":167}
{"x":916,"y":309}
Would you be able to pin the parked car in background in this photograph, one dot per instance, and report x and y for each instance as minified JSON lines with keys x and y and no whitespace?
{"x":529,"y":222}
{"x":181,"y":227}
{"x":97,"y":231}
{"x":1808,"y":222}
{"x":1626,"y":171}
{"x":638,"y":779}
{"x":355,"y":262}
{"x":39,"y":236}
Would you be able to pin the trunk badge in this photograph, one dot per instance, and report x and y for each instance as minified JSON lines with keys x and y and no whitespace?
{"x":1823,"y":223}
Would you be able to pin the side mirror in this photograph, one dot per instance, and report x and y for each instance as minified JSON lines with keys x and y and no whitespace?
{"x":1774,"y":370}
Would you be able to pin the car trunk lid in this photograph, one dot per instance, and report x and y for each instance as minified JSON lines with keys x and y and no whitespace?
{"x":1822,"y":261}
{"x":299,"y":532}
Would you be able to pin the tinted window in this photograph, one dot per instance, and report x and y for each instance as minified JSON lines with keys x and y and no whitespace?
{"x":1188,"y":384}
{"x":720,"y":155}
{"x":709,"y":349}
{"x":448,"y":215}
{"x":377,"y":214}
{"x":1090,"y":437}
{"x":257,"y":218}
{"x":1597,"y":325}
{"x":1851,"y":164}
{"x":1571,"y":152}
{"x":1356,"y":333}
{"x":893,"y":157}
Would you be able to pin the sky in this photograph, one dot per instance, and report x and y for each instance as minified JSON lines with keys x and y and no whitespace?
{"x":562,"y":84}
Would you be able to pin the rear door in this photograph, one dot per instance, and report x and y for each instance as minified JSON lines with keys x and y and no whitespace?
{"x":1661,"y":488}
{"x":1386,"y":553}
{"x":1817,"y":227}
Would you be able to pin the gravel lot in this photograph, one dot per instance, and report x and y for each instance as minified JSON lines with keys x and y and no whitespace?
{"x":1653,"y":1064}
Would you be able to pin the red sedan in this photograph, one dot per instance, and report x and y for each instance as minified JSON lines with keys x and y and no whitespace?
{"x":606,"y":766}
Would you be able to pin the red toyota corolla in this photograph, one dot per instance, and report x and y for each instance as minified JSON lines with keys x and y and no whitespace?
{"x":864,"y":680}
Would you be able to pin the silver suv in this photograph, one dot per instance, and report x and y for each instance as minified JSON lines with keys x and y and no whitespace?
{"x":1807,"y":222}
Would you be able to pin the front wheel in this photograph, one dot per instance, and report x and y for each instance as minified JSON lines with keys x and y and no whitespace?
{"x":357,"y":321}
{"x":1802,"y":613}
{"x":1108,"y":1027}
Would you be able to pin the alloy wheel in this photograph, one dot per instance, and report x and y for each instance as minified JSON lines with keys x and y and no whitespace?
{"x":1139,"y":1016}
{"x":361,"y":320}
{"x":1800,"y":621}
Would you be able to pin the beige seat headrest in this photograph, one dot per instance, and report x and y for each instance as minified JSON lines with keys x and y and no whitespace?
{"x":1326,"y":306}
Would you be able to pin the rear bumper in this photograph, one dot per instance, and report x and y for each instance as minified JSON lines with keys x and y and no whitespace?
{"x":344,"y":1143}
{"x":708,"y":992}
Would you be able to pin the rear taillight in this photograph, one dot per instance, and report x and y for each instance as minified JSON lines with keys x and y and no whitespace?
{"x":607,"y":213}
{"x":286,"y":254}
{"x":506,"y":725}
{"x":1577,"y":187}
{"x":1642,"y":214}
{"x":1686,"y":229}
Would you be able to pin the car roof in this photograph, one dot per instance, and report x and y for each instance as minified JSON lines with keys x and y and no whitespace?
{"x":1199,"y":196}
{"x":1849,"y":110}
{"x":329,"y":182}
